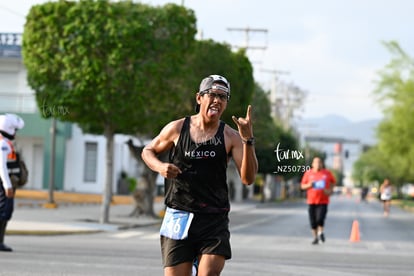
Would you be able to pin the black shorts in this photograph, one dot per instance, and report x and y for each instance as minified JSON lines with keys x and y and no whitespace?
{"x":208,"y":234}
{"x":317,"y":215}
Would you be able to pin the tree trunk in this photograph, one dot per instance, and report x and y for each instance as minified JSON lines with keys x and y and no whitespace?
{"x":149,"y":177}
{"x":107,"y":193}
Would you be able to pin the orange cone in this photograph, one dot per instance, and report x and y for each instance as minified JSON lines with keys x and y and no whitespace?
{"x":354,"y":232}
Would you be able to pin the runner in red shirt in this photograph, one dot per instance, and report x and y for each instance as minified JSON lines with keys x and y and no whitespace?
{"x":318,"y":183}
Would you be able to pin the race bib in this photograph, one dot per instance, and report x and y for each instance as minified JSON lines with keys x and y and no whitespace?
{"x":176,"y":223}
{"x":319,"y":185}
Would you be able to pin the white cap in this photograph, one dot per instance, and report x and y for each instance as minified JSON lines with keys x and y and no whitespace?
{"x":9,"y":123}
{"x":208,"y":82}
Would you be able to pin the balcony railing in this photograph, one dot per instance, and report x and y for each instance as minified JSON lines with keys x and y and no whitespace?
{"x":19,"y":103}
{"x":11,"y":45}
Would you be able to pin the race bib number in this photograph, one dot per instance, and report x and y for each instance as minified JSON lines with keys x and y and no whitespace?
{"x":319,"y":185}
{"x":176,"y":223}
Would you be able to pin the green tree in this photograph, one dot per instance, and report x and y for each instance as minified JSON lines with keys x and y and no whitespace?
{"x":112,"y":65}
{"x":395,"y":91}
{"x":210,"y":57}
{"x":371,"y":166}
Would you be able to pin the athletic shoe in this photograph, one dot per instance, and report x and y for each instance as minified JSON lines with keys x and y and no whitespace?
{"x":315,"y":241}
{"x":322,"y":237}
{"x":195,"y":267}
{"x":5,"y":248}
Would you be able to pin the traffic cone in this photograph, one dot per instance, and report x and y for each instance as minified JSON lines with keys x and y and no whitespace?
{"x":354,"y":232}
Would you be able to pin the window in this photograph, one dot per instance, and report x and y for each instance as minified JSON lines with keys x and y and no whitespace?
{"x":91,"y":160}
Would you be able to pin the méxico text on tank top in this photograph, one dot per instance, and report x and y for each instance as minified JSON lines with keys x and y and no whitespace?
{"x":202,"y":185}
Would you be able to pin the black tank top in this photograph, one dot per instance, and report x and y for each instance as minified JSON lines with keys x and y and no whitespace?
{"x":202,"y":185}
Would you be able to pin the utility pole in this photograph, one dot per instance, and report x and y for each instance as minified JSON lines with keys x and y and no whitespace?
{"x":275,"y":99}
{"x":294,"y":98}
{"x":247,"y":32}
{"x":51,"y":204}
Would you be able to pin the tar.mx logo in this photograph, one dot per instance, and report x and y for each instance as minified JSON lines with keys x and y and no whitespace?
{"x":282,"y":154}
{"x":286,"y":154}
{"x":53,"y":110}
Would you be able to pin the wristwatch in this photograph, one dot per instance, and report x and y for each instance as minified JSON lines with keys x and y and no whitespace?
{"x":249,"y":141}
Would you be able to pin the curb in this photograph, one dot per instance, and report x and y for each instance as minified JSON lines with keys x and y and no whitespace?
{"x":50,"y":232}
{"x":77,"y":197}
{"x":70,"y":197}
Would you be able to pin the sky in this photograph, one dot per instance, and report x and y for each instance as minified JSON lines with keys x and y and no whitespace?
{"x":330,"y":49}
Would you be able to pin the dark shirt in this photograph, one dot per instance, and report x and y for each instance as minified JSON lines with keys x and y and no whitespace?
{"x":202,"y":185}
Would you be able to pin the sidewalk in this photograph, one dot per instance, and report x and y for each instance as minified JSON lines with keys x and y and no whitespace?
{"x":79,"y":213}
{"x":73,"y":213}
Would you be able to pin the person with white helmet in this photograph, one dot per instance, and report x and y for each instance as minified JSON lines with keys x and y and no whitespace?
{"x":195,"y":229}
{"x":9,"y":124}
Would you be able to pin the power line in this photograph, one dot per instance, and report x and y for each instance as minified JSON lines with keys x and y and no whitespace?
{"x":247,"y":32}
{"x":11,"y":11}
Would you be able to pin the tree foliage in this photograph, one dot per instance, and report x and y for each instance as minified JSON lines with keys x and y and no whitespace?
{"x":109,"y":63}
{"x":372,"y":166}
{"x":210,"y":57}
{"x":393,"y":156}
{"x":395,"y":91}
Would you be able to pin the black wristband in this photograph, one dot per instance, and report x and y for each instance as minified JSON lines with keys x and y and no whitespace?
{"x":249,"y":142}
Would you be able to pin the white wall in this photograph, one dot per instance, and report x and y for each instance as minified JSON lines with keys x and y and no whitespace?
{"x":74,"y":162}
{"x":31,"y":150}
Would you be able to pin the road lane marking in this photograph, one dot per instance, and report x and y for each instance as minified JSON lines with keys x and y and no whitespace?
{"x":245,"y":225}
{"x":127,"y":234}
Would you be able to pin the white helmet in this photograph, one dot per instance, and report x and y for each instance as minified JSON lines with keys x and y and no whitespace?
{"x":9,"y":123}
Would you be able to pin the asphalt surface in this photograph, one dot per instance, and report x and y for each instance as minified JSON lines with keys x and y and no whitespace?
{"x":271,"y":238}
{"x":79,"y":213}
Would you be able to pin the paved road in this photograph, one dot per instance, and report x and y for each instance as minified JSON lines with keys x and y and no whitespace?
{"x":276,"y":240}
{"x":267,"y":239}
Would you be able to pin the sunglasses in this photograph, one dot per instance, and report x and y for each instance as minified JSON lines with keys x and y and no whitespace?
{"x":212,"y":95}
